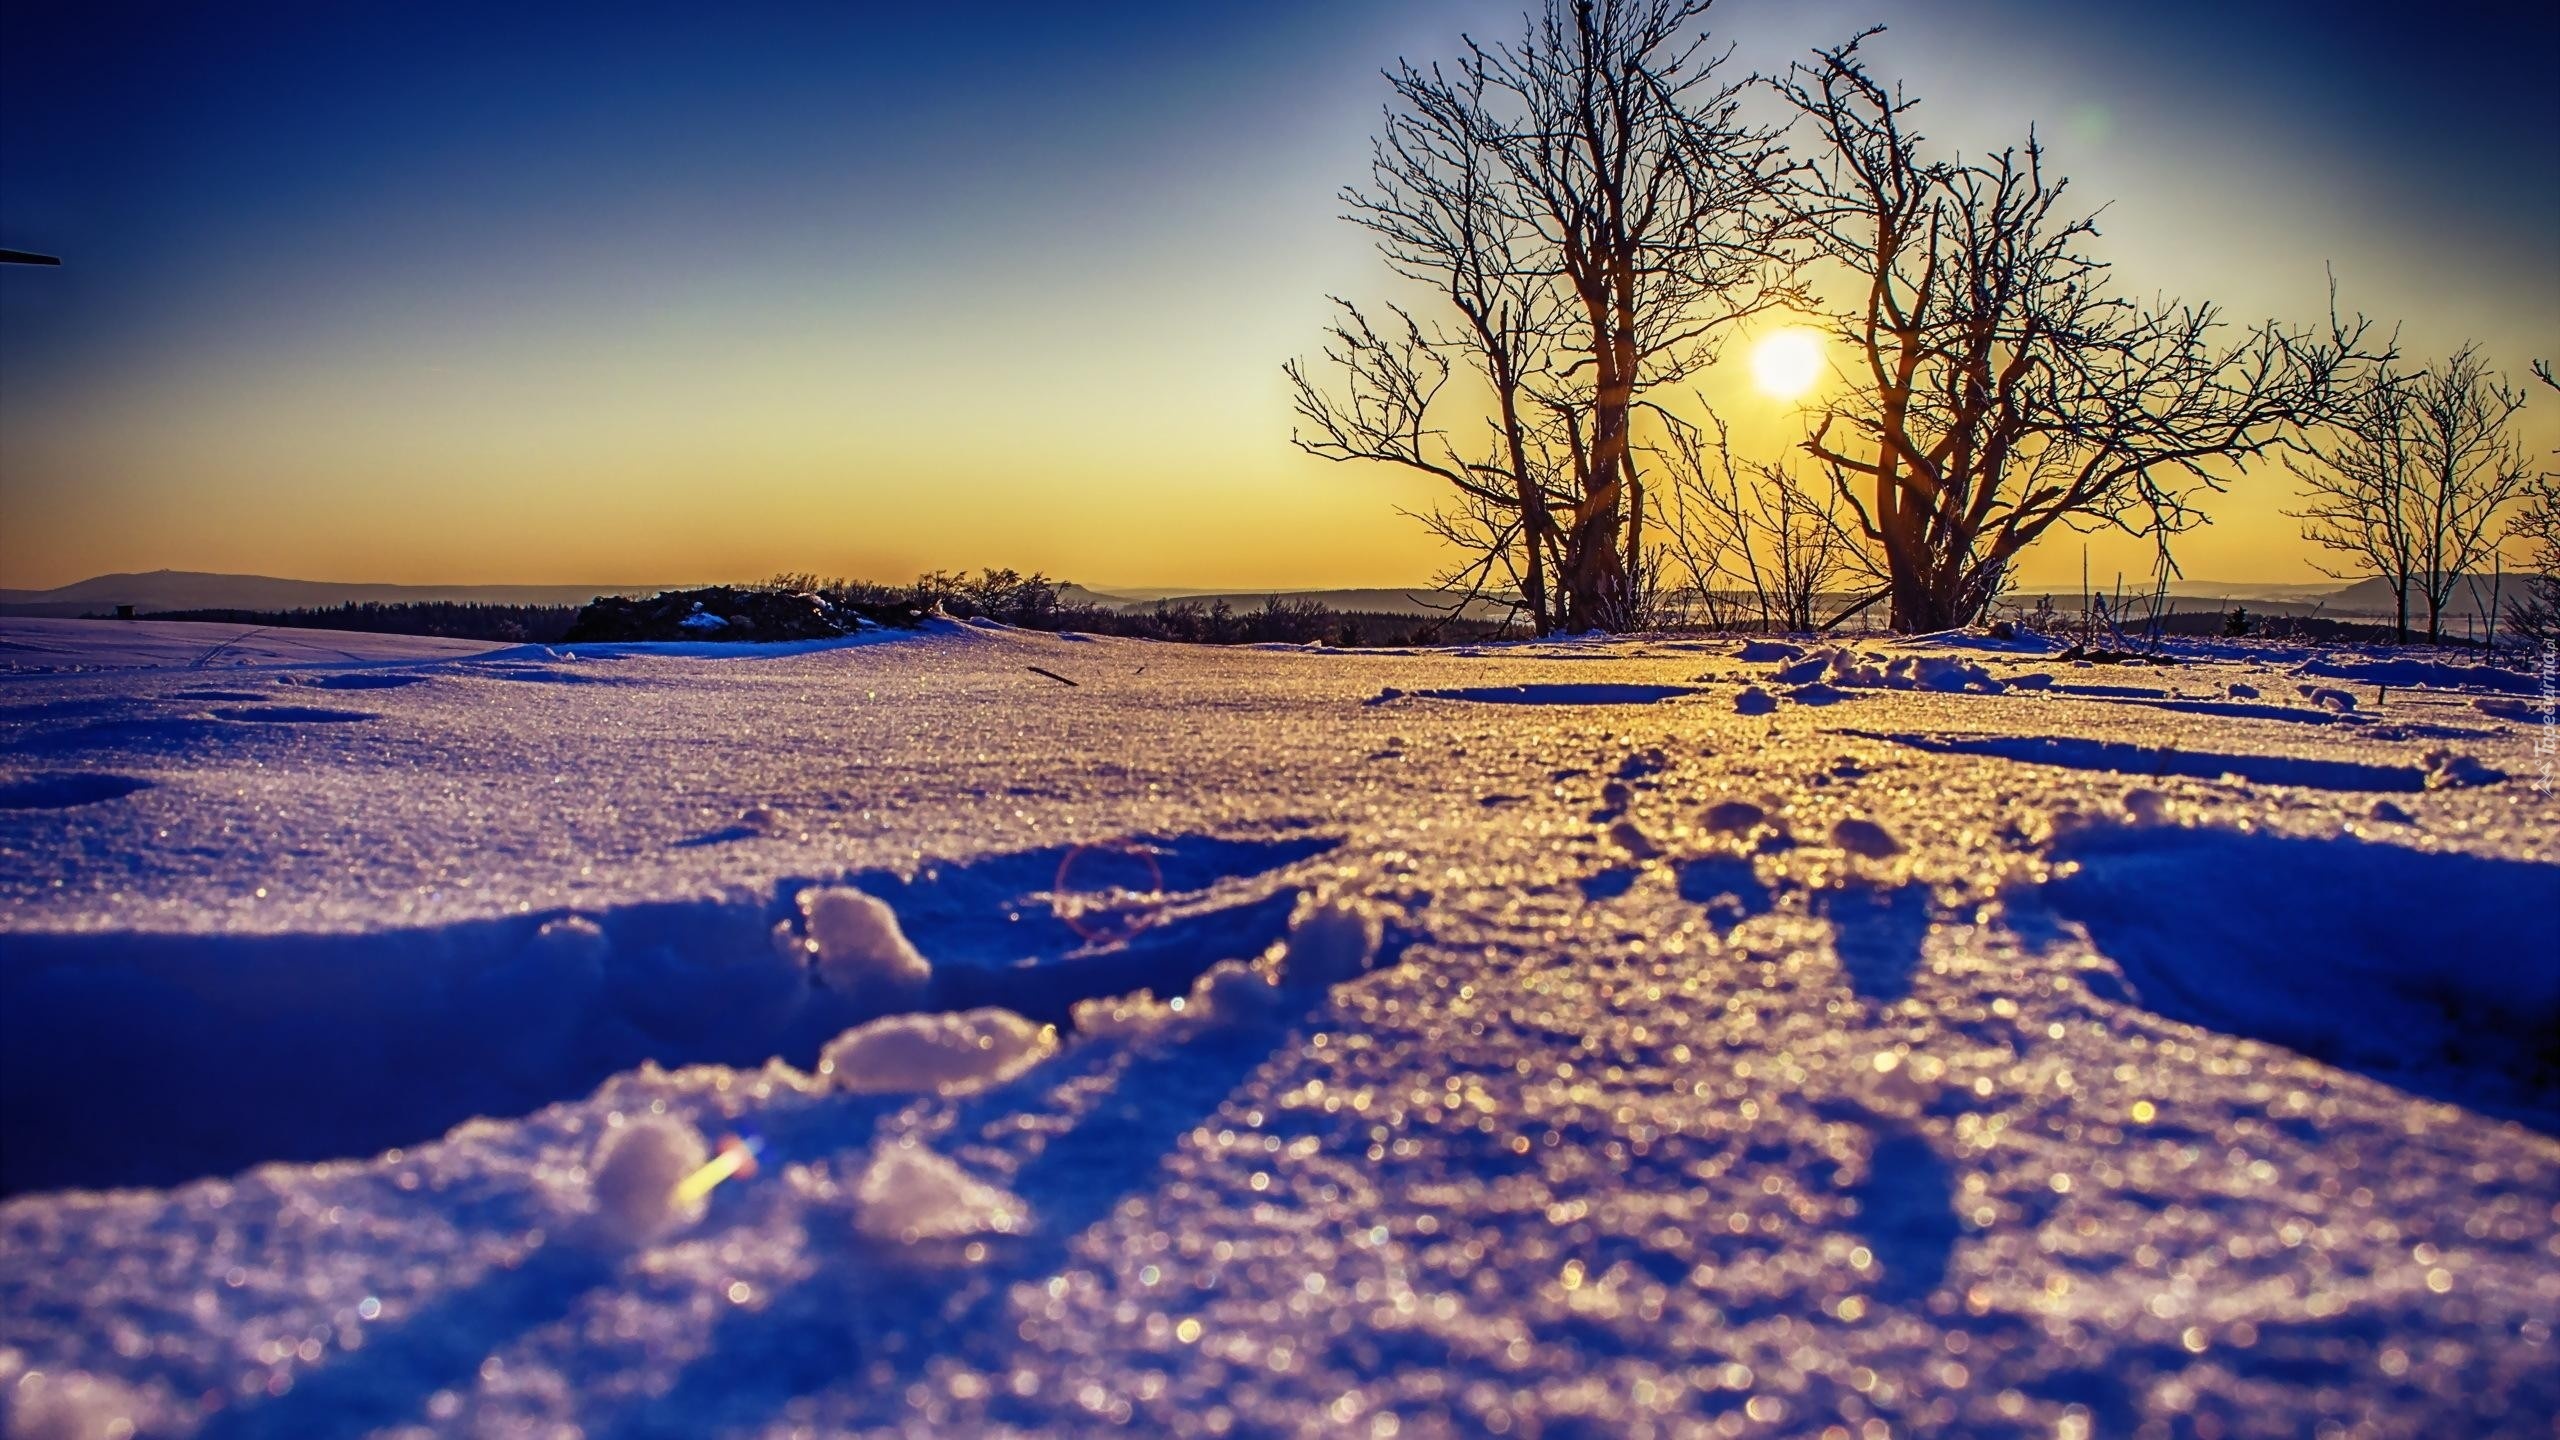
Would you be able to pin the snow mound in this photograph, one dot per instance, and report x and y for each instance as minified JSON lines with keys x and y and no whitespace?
{"x":951,"y":1054}
{"x":857,"y":947}
{"x":1332,"y":938}
{"x":909,"y":1195}
{"x":1848,"y":669}
{"x":2432,"y":967}
{"x":636,"y":1173}
{"x":2432,"y":674}
{"x":1229,"y":993}
{"x":1768,"y":652}
{"x":1754,"y":701}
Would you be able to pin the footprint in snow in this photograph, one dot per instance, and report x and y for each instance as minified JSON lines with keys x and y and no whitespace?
{"x":291,"y":715}
{"x":64,"y":791}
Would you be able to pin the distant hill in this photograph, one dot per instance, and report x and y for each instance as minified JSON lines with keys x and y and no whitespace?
{"x":160,"y":590}
{"x":2363,"y":600}
{"x":2471,"y":598}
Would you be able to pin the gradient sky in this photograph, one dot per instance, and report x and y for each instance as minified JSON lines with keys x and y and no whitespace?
{"x":454,"y":294}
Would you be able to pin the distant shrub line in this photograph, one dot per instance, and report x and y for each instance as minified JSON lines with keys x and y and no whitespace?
{"x":1032,"y":602}
{"x":454,"y":619}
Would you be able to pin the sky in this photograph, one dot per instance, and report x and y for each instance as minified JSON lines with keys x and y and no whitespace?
{"x":537,"y":294}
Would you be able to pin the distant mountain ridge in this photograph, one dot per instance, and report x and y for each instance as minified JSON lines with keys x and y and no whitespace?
{"x":159,"y":590}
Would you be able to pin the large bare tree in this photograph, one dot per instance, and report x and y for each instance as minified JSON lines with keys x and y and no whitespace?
{"x":1594,"y":212}
{"x":1998,"y":385}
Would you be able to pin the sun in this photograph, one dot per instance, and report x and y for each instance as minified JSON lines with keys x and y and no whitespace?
{"x":1787,"y":363}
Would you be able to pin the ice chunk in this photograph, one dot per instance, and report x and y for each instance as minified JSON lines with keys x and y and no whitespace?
{"x":636,"y":1173}
{"x":942,"y":1054}
{"x":1754,"y":701}
{"x":857,"y":946}
{"x":910,"y":1194}
{"x":1331,"y":939}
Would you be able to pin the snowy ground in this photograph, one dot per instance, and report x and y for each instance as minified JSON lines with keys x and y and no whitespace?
{"x":1747,"y":1043}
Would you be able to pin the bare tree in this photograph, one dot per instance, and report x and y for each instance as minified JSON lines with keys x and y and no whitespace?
{"x":2359,"y":480}
{"x":1999,"y":387}
{"x":2468,"y":465}
{"x":2411,"y":479}
{"x":1595,"y":213}
{"x":2535,"y":612}
{"x":1753,"y":527}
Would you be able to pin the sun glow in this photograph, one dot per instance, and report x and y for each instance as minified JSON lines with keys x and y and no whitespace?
{"x":1787,"y":363}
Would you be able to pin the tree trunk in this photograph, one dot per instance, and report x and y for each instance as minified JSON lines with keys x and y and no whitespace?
{"x":1595,"y":573}
{"x":1635,"y":536}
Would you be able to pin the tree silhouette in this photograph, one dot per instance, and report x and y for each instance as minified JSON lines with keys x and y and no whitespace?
{"x":1592,"y":209}
{"x":2423,"y":466}
{"x":1998,"y":387}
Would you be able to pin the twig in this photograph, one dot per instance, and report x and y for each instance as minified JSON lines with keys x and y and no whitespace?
{"x":1052,"y":674}
{"x":207,"y":657}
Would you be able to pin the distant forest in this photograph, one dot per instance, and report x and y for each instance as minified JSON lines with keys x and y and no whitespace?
{"x":1033,"y":602}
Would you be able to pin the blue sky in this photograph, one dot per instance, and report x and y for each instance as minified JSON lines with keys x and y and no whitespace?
{"x":472,"y":292}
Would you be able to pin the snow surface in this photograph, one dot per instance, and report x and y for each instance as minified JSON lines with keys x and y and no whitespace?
{"x":2074,"y":1053}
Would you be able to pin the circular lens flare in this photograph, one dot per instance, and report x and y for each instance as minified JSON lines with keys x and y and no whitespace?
{"x":1787,"y":364}
{"x":1107,"y":891}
